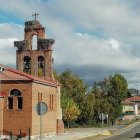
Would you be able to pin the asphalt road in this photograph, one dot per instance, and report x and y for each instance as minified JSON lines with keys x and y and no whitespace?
{"x":132,"y":134}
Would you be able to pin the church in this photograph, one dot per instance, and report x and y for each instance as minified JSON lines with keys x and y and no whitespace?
{"x":29,"y":95}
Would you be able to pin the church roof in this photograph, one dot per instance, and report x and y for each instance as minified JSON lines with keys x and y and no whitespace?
{"x":9,"y":74}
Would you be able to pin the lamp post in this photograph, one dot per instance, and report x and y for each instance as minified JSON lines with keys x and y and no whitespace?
{"x":107,"y":118}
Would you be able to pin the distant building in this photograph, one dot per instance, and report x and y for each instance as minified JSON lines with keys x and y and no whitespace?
{"x":132,"y":104}
{"x":31,"y":102}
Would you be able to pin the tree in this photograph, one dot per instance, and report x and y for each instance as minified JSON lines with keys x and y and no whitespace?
{"x":73,"y":87}
{"x":56,"y":76}
{"x":117,"y":93}
{"x":89,"y":108}
{"x":70,"y":109}
{"x":109,"y":93}
{"x":118,"y":87}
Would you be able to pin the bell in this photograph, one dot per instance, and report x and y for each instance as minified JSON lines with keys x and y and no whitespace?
{"x":26,"y":66}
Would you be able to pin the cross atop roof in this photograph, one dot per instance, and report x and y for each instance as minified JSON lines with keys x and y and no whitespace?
{"x":35,"y":15}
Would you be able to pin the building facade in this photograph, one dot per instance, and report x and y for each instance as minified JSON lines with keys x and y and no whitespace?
{"x":31,"y":103}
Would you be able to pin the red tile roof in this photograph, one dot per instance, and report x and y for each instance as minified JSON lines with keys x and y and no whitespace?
{"x":131,"y":100}
{"x":10,"y":74}
{"x":135,"y":98}
{"x":127,"y":102}
{"x":2,"y":94}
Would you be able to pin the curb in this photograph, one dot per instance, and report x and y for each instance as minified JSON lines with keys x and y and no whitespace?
{"x":122,"y":130}
{"x":108,"y":134}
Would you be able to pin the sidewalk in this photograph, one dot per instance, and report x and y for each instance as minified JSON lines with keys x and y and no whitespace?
{"x":75,"y":133}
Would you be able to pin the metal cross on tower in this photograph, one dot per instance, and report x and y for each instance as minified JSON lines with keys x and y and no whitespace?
{"x":35,"y":15}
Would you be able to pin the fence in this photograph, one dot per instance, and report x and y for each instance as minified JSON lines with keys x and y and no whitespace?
{"x":8,"y":135}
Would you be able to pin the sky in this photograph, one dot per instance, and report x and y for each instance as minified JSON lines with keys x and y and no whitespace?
{"x":93,"y":38}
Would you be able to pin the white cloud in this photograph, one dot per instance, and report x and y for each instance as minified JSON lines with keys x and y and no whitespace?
{"x":96,"y":38}
{"x":114,"y":43}
{"x":7,"y":51}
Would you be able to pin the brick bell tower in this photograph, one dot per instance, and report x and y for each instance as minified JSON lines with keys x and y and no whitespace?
{"x":36,"y":62}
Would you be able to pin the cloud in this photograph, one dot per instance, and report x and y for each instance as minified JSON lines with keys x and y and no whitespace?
{"x":7,"y":51}
{"x":93,"y":38}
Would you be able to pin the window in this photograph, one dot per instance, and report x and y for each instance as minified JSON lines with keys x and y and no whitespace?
{"x":39,"y":97}
{"x":41,"y":67}
{"x":15,"y":92}
{"x":51,"y":102}
{"x":10,"y":102}
{"x":27,"y":64}
{"x":20,"y":102}
{"x":15,"y":98}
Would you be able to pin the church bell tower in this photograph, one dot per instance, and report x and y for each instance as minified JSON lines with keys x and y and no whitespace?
{"x":36,"y":62}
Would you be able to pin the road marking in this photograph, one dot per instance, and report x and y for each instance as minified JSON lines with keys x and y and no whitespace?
{"x":123,"y":131}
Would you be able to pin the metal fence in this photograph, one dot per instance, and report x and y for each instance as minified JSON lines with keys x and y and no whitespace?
{"x":8,"y":135}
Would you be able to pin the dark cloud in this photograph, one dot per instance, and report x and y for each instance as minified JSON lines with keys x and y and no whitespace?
{"x":94,"y":39}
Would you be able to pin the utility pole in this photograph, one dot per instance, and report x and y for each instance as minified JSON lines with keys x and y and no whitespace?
{"x":41,"y":121}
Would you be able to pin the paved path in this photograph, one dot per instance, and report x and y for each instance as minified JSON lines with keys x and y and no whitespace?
{"x":75,"y":133}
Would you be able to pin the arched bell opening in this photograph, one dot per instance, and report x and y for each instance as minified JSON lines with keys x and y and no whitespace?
{"x":34,"y":42}
{"x":27,"y":64}
{"x":41,"y":66}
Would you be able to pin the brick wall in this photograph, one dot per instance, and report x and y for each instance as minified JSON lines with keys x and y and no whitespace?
{"x":49,"y":120}
{"x":1,"y":114}
{"x":14,"y":120}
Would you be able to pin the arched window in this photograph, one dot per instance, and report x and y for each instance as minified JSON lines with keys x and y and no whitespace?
{"x":34,"y":42}
{"x":27,"y":64}
{"x":15,"y":93}
{"x":41,"y":67}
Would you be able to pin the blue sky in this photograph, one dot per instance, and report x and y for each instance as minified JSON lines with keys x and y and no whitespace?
{"x":94,"y":38}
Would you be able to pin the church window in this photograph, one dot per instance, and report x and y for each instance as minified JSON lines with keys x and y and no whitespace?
{"x":41,"y":68}
{"x":27,"y":65}
{"x":15,"y":92}
{"x":15,"y":98}
{"x":51,"y":102}
{"x":10,"y":102}
{"x":20,"y":102}
{"x":39,"y":97}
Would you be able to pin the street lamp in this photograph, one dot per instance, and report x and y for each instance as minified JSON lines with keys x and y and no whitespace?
{"x":107,"y":118}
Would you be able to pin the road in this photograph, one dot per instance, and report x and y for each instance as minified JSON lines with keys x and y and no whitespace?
{"x":132,"y":134}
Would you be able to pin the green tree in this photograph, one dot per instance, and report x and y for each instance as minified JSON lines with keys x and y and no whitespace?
{"x":70,"y":109}
{"x":89,"y":108}
{"x":118,"y":87}
{"x":75,"y":88}
{"x":56,"y":76}
{"x":117,"y":93}
{"x":109,"y":93}
{"x":72,"y":85}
